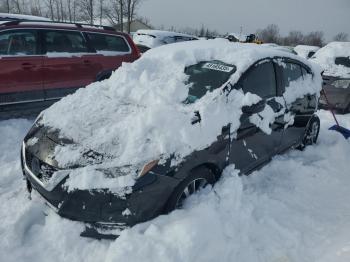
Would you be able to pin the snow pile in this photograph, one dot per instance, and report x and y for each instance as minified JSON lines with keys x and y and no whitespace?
{"x":294,"y":209}
{"x":155,"y":38}
{"x":138,"y":115}
{"x":326,"y":56}
{"x":304,"y":50}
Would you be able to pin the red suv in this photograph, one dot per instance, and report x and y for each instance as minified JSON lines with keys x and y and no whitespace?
{"x":42,"y":61}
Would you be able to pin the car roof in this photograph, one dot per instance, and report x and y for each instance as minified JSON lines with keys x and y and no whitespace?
{"x":6,"y":23}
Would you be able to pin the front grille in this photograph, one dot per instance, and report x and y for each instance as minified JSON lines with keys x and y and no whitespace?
{"x":39,"y":168}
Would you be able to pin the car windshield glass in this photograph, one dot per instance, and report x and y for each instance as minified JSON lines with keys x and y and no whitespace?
{"x":205,"y":77}
{"x":345,"y":61}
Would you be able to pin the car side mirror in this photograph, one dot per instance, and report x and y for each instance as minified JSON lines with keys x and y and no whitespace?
{"x":255,"y":108}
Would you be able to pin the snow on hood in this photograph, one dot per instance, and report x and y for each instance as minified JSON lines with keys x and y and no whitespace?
{"x":138,"y":114}
{"x":304,"y":50}
{"x":325,"y":57}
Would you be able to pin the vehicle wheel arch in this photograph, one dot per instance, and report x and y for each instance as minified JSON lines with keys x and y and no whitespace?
{"x":103,"y":75}
{"x":191,"y":173}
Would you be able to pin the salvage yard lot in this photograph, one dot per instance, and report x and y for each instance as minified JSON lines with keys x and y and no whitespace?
{"x":296,"y":208}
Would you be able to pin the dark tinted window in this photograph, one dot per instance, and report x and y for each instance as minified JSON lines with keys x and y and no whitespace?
{"x":345,"y":61}
{"x":65,"y":42}
{"x":23,"y":42}
{"x":205,"y":77}
{"x":260,"y":80}
{"x":291,"y":72}
{"x":311,"y":53}
{"x":102,"y":42}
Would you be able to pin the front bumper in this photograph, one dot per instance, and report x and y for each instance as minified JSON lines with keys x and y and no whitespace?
{"x":101,"y":207}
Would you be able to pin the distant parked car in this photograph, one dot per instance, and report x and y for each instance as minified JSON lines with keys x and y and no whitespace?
{"x":166,"y":126}
{"x":287,"y":49}
{"x":42,"y":61}
{"x":146,"y":39}
{"x":306,"y":51}
{"x":334,"y":58}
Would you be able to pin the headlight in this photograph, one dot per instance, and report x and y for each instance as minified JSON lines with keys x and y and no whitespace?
{"x":146,"y":168}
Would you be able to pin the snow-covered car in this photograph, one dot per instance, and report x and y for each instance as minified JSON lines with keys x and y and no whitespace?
{"x":334,"y":58}
{"x":136,"y":145}
{"x":287,"y":49}
{"x":146,"y":39}
{"x":306,"y":51}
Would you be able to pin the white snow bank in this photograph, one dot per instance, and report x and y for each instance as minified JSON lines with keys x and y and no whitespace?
{"x":325,"y":57}
{"x":304,"y":50}
{"x":294,"y":209}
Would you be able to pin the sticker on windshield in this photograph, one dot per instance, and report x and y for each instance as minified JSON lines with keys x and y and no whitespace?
{"x":218,"y":67}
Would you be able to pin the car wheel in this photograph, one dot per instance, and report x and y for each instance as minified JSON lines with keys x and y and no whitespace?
{"x":311,"y":133}
{"x":195,"y":181}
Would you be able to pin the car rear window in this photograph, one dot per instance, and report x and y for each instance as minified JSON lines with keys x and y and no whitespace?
{"x":23,"y":42}
{"x":61,"y":41}
{"x":205,"y":77}
{"x":103,"y":42}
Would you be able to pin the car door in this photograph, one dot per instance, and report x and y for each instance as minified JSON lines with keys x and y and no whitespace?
{"x":301,"y":109}
{"x":67,"y":63}
{"x":253,"y":147}
{"x":21,"y":75}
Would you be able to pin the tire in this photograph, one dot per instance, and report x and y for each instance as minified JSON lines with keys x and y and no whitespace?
{"x":196,"y":180}
{"x":311,"y":133}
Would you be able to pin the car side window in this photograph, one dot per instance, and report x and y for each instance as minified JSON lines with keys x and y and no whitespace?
{"x":18,"y":43}
{"x":261,"y":80}
{"x":103,"y":42}
{"x":291,"y":72}
{"x":60,"y":41}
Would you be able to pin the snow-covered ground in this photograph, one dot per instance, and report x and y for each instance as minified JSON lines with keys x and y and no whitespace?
{"x":297,"y":208}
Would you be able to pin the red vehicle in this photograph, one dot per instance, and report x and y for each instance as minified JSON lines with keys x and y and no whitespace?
{"x":42,"y":61}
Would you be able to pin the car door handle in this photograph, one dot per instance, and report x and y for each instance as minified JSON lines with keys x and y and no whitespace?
{"x":87,"y":62}
{"x":27,"y":66}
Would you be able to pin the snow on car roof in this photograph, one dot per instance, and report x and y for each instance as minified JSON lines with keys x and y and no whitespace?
{"x":24,"y":17}
{"x":240,"y":37}
{"x":326,"y":56}
{"x":155,"y":38}
{"x":160,"y":33}
{"x":138,"y":114}
{"x":304,"y":50}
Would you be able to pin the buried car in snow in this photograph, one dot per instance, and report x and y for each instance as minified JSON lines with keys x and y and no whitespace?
{"x":136,"y":145}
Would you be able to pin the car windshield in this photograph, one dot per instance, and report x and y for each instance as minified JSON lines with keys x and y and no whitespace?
{"x":205,"y":77}
{"x":345,"y":61}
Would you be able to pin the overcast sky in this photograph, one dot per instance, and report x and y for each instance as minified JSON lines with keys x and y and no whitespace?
{"x":329,"y":16}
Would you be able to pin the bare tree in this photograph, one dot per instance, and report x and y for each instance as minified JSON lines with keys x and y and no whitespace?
{"x":341,"y":37}
{"x":315,"y":38}
{"x":294,"y":38}
{"x":270,"y":34}
{"x":87,"y":10}
{"x":17,"y":5}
